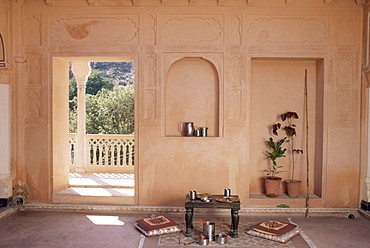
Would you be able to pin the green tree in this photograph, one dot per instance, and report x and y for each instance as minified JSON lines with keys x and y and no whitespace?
{"x":109,"y":99}
{"x":109,"y":111}
{"x":94,"y":84}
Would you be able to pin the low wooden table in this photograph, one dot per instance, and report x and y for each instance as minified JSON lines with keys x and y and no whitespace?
{"x":191,"y":204}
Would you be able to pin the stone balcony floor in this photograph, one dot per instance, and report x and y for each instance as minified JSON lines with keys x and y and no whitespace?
{"x":100,"y":184}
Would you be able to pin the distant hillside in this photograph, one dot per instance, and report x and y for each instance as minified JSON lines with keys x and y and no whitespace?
{"x":122,"y":73}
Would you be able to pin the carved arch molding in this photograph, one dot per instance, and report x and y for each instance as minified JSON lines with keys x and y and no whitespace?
{"x":2,"y":52}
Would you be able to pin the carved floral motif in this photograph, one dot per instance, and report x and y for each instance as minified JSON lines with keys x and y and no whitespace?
{"x":236,"y":32}
{"x":33,"y":103}
{"x":150,"y":86}
{"x":32,"y":30}
{"x":345,"y":32}
{"x":97,"y":31}
{"x":289,"y":30}
{"x":33,"y":69}
{"x":151,"y":29}
{"x":203,"y":30}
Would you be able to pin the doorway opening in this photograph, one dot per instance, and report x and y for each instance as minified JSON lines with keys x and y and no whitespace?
{"x":93,"y":130}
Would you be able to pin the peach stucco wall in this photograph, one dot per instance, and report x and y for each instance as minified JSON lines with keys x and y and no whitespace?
{"x":249,"y":61}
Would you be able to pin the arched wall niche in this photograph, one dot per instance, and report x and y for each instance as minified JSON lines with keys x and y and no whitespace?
{"x":2,"y":52}
{"x":192,"y":94}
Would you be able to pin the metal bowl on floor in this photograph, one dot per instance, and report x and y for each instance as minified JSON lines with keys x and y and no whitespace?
{"x":221,"y":238}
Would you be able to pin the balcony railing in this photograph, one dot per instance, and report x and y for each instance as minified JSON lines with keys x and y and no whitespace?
{"x":106,"y":153}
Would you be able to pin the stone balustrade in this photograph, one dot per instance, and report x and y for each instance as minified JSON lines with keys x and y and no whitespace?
{"x":105,"y":152}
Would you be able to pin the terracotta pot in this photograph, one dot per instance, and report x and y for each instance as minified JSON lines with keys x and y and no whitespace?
{"x":272,"y":186}
{"x":293,"y":187}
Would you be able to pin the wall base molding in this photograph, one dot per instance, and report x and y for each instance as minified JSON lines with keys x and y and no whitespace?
{"x":340,"y":212}
{"x":345,"y":212}
{"x":7,"y":211}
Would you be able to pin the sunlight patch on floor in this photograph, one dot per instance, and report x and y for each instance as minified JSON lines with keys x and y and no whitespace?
{"x":105,"y":220}
{"x":119,"y":182}
{"x":127,"y":192}
{"x":91,"y":191}
{"x":82,"y":181}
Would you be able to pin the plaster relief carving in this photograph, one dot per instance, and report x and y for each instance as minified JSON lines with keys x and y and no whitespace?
{"x":149,"y":111}
{"x":32,"y":30}
{"x":50,"y":3}
{"x":78,"y":31}
{"x":33,"y":69}
{"x":235,"y":30}
{"x":235,"y":71}
{"x":19,"y":2}
{"x":235,"y":94}
{"x":289,"y":30}
{"x":151,"y":29}
{"x":150,"y":71}
{"x":195,"y":30}
{"x":33,"y":104}
{"x":117,"y":3}
{"x":344,"y":105}
{"x":97,"y":30}
{"x":360,"y":2}
{"x":345,"y":32}
{"x":150,"y":86}
{"x":344,"y":71}
{"x":91,"y":2}
{"x":289,"y":2}
{"x":235,"y":105}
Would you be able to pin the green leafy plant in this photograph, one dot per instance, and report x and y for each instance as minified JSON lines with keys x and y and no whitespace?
{"x":283,"y":206}
{"x":277,"y":151}
{"x":290,"y":131}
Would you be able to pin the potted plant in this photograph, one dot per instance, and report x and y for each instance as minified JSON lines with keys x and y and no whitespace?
{"x":293,"y":185}
{"x":272,"y":182}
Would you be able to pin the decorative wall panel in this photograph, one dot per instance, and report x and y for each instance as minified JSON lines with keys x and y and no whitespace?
{"x":150,"y":86}
{"x":33,"y":30}
{"x":150,"y":102}
{"x":201,"y":30}
{"x":235,"y":104}
{"x":236,"y":30}
{"x":97,"y":31}
{"x":288,"y":30}
{"x":33,"y":102}
{"x":344,"y":70}
{"x":345,"y":31}
{"x":344,"y":105}
{"x":151,"y":29}
{"x":234,"y":79}
{"x":33,"y":69}
{"x":347,"y":105}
